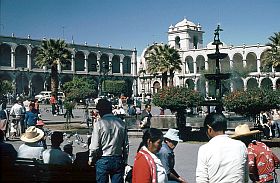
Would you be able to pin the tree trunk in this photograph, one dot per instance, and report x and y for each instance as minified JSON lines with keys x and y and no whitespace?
{"x":54,"y":80}
{"x":171,"y":78}
{"x":164,"y":79}
{"x":181,"y":124}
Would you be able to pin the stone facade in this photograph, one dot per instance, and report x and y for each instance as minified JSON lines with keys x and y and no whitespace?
{"x":187,"y":38}
{"x":17,"y":64}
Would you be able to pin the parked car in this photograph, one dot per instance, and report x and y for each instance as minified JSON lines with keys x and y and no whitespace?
{"x":46,"y":95}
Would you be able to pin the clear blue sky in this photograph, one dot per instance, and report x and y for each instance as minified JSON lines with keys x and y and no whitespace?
{"x":136,"y":23}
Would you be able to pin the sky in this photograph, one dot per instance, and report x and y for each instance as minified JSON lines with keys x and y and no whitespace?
{"x":137,"y":23}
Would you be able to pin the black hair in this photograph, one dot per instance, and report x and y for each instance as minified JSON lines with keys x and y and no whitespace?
{"x":147,"y":105}
{"x":216,"y":121}
{"x":104,"y":107}
{"x":153,"y":134}
{"x":56,"y":138}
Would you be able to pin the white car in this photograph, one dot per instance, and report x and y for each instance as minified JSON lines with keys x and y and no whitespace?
{"x":46,"y":95}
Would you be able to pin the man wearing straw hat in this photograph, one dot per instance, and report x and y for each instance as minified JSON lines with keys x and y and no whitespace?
{"x":222,"y":159}
{"x":31,"y":148}
{"x":261,"y":159}
{"x":167,"y":157}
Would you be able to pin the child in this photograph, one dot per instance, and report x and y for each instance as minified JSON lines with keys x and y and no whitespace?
{"x":40,"y":124}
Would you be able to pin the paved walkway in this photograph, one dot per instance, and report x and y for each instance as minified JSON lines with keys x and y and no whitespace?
{"x":186,"y":153}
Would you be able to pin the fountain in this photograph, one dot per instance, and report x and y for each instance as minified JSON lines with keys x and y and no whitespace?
{"x":218,"y":76}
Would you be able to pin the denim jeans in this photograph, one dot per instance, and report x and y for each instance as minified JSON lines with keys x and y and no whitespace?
{"x":110,"y":165}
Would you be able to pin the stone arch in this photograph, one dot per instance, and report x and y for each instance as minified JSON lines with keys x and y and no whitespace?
{"x":211,"y":65}
{"x":200,"y":64}
{"x":79,"y":61}
{"x":156,"y":87}
{"x":37,"y":84}
{"x":237,"y":84}
{"x":200,"y":86}
{"x":5,"y":55}
{"x":177,"y":42}
{"x":237,"y":61}
{"x":92,"y":62}
{"x":195,"y":41}
{"x":252,"y":83}
{"x":116,"y":64}
{"x":21,"y":57}
{"x":264,"y":68}
{"x":266,"y":83}
{"x":189,"y":65}
{"x":33,"y":55}
{"x":22,"y":83}
{"x":104,"y":62}
{"x":251,"y":62}
{"x":127,"y":65}
{"x":190,"y":84}
{"x":225,"y":65}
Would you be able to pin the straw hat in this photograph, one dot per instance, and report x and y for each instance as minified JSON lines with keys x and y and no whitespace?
{"x":172,"y":134}
{"x":243,"y":130}
{"x":32,"y":134}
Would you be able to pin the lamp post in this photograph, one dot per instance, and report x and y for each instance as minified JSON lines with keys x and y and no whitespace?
{"x":22,"y":79}
{"x":103,"y":71}
{"x":143,"y":85}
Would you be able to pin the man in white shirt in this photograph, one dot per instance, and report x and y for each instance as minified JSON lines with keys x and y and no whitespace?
{"x":17,"y":113}
{"x":55,"y":155}
{"x":222,"y":159}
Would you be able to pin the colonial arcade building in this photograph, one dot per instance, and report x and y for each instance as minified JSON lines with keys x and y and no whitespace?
{"x":245,"y":61}
{"x":17,"y":64}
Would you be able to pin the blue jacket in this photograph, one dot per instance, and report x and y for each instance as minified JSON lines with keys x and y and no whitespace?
{"x":31,"y":118}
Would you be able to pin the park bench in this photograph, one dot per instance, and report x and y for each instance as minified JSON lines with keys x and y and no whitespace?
{"x":32,"y":170}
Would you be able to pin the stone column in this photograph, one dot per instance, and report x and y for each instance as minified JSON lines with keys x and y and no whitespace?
{"x":72,"y":63}
{"x":121,"y":65}
{"x":13,"y":59}
{"x":86,"y":63}
{"x":194,"y":68}
{"x":258,"y":65}
{"x":29,"y":59}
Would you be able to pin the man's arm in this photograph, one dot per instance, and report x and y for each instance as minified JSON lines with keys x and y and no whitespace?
{"x":125,"y":146}
{"x":201,"y":168}
{"x":94,"y":145}
{"x":175,"y":176}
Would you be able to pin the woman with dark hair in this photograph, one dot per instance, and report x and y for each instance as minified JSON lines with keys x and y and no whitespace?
{"x":147,"y":166}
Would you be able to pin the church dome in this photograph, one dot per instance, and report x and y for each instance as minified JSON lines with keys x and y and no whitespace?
{"x":185,"y":22}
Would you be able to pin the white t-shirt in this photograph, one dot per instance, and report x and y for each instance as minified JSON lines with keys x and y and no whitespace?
{"x":56,"y":157}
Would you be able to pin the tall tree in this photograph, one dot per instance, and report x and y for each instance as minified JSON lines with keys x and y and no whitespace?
{"x":163,"y":59}
{"x":50,"y":54}
{"x":272,"y":54}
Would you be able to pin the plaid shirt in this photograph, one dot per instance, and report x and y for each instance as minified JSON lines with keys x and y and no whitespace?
{"x":262,"y":159}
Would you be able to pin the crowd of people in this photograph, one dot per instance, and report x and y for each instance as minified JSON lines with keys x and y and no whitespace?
{"x":235,"y":158}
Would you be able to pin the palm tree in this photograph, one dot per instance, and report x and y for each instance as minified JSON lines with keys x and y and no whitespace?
{"x":272,"y":54}
{"x":50,"y":54}
{"x":163,"y":59}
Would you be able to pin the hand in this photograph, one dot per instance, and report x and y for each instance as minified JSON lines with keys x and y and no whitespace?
{"x":182,"y":180}
{"x":90,"y":163}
